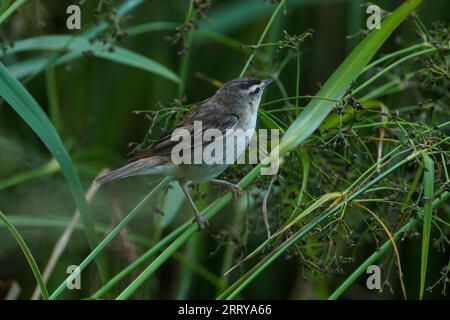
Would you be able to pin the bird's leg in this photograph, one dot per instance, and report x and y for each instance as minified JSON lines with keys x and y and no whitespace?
{"x":233,"y":188}
{"x":201,"y":220}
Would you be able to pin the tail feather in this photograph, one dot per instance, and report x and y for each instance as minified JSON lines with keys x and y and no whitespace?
{"x":151,"y":165}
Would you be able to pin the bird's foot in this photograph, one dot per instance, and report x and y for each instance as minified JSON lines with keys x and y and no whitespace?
{"x":233,"y":188}
{"x":202,"y":221}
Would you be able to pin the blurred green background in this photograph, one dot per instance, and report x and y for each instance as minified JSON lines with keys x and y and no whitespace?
{"x":96,"y":99}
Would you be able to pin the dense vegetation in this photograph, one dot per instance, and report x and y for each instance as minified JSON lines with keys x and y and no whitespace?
{"x":364,"y":178}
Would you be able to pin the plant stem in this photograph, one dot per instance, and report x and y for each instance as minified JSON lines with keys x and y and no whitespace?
{"x":186,"y":57}
{"x":140,"y":261}
{"x":99,"y":248}
{"x":297,"y":87}
{"x":52,"y":98}
{"x":428,"y":181}
{"x":28,"y":255}
{"x":15,"y":6}
{"x":263,"y":35}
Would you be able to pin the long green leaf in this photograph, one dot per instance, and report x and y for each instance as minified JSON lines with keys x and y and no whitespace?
{"x":48,"y":168}
{"x":35,"y":65}
{"x":152,"y":26}
{"x":30,"y":111}
{"x":140,"y":261}
{"x":4,"y":5}
{"x":28,"y":255}
{"x":336,"y":86}
{"x":98,"y":249}
{"x":428,"y":182}
{"x":77,"y":46}
{"x":13,"y":8}
{"x":20,"y":221}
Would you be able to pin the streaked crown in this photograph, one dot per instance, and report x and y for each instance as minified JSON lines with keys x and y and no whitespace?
{"x":245,"y":85}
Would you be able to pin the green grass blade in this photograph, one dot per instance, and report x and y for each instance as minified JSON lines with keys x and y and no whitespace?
{"x":47,"y":169}
{"x":26,"y":67}
{"x":77,"y":46}
{"x":199,"y":269}
{"x":30,"y":111}
{"x":152,"y":26}
{"x":263,"y":35}
{"x":193,"y":227}
{"x":28,"y":255}
{"x":186,"y":58}
{"x":52,"y":98}
{"x":99,"y":248}
{"x":428,"y":181}
{"x":186,"y":275}
{"x":125,"y":294}
{"x":335,"y":87}
{"x":140,"y":261}
{"x":13,"y":8}
{"x":33,"y":66}
{"x":306,"y":165}
{"x":4,"y":5}
{"x":386,"y":69}
{"x":20,"y":221}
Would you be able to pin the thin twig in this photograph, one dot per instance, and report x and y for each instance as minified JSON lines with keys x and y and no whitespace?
{"x":394,"y":246}
{"x":264,"y":206}
{"x":14,"y":290}
{"x":384,"y":119}
{"x":263,"y":35}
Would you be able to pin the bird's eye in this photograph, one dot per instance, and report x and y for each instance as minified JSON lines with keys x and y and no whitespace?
{"x":256,"y":91}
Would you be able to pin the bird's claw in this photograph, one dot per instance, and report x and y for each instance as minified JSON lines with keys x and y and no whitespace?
{"x":235,"y":191}
{"x":202,"y":222}
{"x":231,"y":187}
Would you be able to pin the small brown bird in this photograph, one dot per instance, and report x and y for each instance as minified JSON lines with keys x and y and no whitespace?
{"x":234,"y":106}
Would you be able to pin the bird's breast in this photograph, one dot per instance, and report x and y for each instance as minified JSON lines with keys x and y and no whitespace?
{"x":247,"y":121}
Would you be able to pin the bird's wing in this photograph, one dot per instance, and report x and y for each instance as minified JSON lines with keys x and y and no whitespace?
{"x":210,"y":116}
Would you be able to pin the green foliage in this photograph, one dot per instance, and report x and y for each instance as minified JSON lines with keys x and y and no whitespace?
{"x":24,"y":104}
{"x":79,"y":46}
{"x":23,"y":246}
{"x":364,"y":155}
{"x":428,"y":181}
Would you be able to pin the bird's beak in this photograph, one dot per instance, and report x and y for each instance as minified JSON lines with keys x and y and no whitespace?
{"x":267,"y":82}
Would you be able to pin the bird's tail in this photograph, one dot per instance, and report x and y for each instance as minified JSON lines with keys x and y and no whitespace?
{"x":153,"y":165}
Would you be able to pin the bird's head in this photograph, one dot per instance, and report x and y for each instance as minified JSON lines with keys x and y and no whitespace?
{"x":243,"y":92}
